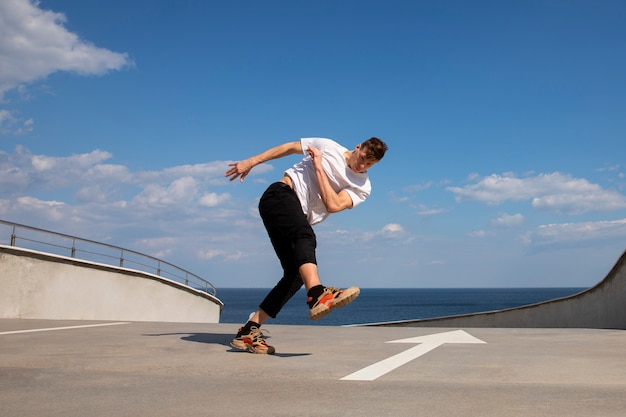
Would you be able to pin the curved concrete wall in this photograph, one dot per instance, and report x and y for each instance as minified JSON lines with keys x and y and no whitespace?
{"x":600,"y":307}
{"x":37,"y":285}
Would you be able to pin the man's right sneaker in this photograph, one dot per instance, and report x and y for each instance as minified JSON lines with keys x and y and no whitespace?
{"x":331,"y":298}
{"x":253,"y":342}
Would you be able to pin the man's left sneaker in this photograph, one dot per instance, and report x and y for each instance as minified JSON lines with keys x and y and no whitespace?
{"x":331,"y":298}
{"x":237,"y":342}
{"x":253,"y":342}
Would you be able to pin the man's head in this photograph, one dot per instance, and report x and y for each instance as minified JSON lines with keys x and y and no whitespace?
{"x":374,"y":148}
{"x":367,"y":154}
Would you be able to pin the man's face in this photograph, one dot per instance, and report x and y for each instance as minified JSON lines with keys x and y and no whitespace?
{"x":359,"y":162}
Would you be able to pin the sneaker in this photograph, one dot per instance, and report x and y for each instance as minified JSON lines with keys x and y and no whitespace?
{"x":331,"y":298}
{"x":253,"y":342}
{"x":238,"y":342}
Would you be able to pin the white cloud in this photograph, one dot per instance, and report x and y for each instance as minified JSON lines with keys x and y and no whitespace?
{"x":566,"y":233}
{"x":175,"y":212}
{"x":5,"y":116}
{"x":78,"y":161}
{"x":179,"y":192}
{"x":158,"y":244}
{"x":92,"y":180}
{"x":419,"y":187}
{"x":609,"y":168}
{"x":480,"y":233}
{"x":10,"y":124}
{"x":24,"y":171}
{"x":211,"y":253}
{"x":210,"y":173}
{"x":34,"y":43}
{"x":424,"y":210}
{"x":218,"y":253}
{"x":213,"y":199}
{"x":343,"y":237}
{"x":508,"y":220}
{"x":392,"y":229}
{"x":397,"y":199}
{"x":389,"y":231}
{"x":98,"y":200}
{"x":31,"y":206}
{"x":558,"y":192}
{"x":26,"y":127}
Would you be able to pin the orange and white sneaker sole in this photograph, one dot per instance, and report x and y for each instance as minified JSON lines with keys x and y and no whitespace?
{"x":325,"y":306}
{"x":237,"y":343}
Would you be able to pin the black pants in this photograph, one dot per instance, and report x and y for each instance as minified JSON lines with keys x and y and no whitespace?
{"x":293,"y":240}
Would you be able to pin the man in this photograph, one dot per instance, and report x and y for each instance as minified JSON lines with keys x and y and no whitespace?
{"x":329,"y":179}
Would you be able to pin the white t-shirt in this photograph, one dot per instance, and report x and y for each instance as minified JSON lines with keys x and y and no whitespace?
{"x":305,"y":184}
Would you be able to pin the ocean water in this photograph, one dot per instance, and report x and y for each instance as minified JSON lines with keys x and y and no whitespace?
{"x":380,"y":305}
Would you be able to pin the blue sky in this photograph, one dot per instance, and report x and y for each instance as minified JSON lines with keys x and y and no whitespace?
{"x":506,"y":125}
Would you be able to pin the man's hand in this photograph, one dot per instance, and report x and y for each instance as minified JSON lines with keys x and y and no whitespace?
{"x":239,"y":169}
{"x":316,"y":156}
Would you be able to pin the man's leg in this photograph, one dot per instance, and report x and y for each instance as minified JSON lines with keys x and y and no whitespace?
{"x":293,"y":241}
{"x":310,"y":278}
{"x":278,"y":207}
{"x":259,"y":317}
{"x":295,"y":244}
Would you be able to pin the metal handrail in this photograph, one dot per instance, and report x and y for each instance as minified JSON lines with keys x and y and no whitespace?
{"x":118,"y":257}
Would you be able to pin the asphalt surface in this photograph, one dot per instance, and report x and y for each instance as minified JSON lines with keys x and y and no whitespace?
{"x":60,"y":368}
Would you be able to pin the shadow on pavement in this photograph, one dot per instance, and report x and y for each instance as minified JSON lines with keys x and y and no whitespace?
{"x":221,"y":339}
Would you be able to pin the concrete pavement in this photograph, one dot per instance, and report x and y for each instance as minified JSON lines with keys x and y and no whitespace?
{"x":62,"y":368}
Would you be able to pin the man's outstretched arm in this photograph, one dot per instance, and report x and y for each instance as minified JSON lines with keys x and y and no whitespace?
{"x":242,"y":168}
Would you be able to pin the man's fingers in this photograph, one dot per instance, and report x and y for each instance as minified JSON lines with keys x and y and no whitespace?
{"x":235,"y":172}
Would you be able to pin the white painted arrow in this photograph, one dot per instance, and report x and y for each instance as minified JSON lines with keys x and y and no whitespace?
{"x":426,"y":344}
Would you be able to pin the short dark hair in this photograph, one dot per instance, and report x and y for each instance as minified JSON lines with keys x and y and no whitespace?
{"x":374,"y":148}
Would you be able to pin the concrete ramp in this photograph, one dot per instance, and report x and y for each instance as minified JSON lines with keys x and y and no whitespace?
{"x":37,"y":285}
{"x":600,"y":307}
